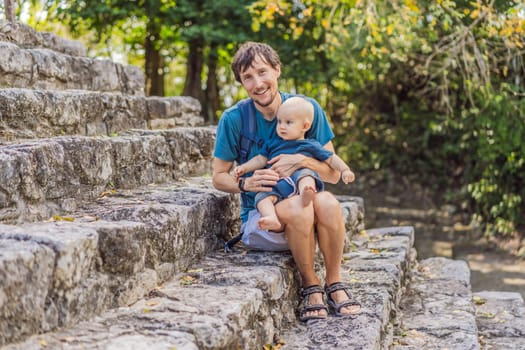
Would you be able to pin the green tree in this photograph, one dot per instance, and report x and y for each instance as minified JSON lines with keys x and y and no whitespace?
{"x":426,"y":87}
{"x":148,"y":23}
{"x":202,"y":30}
{"x":211,"y":30}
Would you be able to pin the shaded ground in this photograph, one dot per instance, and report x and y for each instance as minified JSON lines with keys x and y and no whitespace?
{"x":441,"y":230}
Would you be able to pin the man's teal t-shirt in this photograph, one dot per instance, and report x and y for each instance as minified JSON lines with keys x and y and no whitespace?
{"x":227,"y":143}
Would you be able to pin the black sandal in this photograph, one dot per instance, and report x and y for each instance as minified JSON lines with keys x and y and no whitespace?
{"x":338,"y":306}
{"x":306,"y":307}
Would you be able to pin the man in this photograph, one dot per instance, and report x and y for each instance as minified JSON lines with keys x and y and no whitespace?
{"x":257,"y":67}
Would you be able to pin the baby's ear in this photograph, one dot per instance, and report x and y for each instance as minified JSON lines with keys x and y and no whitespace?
{"x":307,"y":124}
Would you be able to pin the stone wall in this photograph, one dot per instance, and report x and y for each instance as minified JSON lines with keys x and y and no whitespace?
{"x":26,"y":37}
{"x":27,"y":113}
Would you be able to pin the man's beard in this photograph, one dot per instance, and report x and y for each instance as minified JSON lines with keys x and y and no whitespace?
{"x":272,"y":98}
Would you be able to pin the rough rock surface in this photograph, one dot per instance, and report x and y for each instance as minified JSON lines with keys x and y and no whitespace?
{"x":437,"y":310}
{"x":111,"y":254}
{"x":501,"y":320}
{"x":375,"y":270}
{"x":26,"y":37}
{"x":26,"y":113}
{"x":50,"y":70}
{"x":232,"y":300}
{"x":50,"y":176}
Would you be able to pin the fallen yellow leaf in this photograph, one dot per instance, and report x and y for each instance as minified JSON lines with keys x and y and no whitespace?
{"x":478,"y":300}
{"x":195,"y":271}
{"x":187,"y":280}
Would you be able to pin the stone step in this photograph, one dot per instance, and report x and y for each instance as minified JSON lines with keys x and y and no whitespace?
{"x":28,"y":38}
{"x":50,"y":70}
{"x":26,"y":113}
{"x":240,"y":311}
{"x":46,"y":177}
{"x":376,"y":269}
{"x":111,"y":253}
{"x":238,"y":300}
{"x":437,"y":312}
{"x":500,"y":318}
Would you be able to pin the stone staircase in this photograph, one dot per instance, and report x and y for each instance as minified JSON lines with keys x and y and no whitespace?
{"x":111,"y":233}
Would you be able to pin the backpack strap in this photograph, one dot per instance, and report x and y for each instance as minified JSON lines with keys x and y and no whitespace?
{"x":247,"y":139}
{"x":248,"y":134}
{"x":248,"y":129}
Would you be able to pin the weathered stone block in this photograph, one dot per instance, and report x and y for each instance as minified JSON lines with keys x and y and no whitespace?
{"x":169,"y":107}
{"x":16,"y":65}
{"x":26,"y":275}
{"x":27,"y":113}
{"x":182,"y":223}
{"x":75,"y":249}
{"x":57,"y":273}
{"x":50,"y":70}
{"x":122,"y":247}
{"x":26,"y":37}
{"x":500,"y":316}
{"x":436,"y":310}
{"x":45,"y":176}
{"x":132,"y":79}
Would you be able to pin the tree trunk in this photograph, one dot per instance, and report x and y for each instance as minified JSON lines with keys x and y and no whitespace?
{"x":154,"y":65}
{"x":9,"y":7}
{"x":193,"y":84}
{"x":212,"y":101}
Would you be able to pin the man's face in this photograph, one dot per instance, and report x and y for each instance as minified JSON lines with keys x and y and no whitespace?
{"x":260,"y":81}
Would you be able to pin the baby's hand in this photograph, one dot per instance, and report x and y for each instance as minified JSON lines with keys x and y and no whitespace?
{"x":347,"y":176}
{"x":238,"y":171}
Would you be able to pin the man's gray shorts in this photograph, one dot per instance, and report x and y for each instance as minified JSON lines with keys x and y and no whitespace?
{"x":255,"y":238}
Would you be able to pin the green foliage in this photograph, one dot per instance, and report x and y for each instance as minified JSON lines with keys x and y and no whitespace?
{"x":432,"y":88}
{"x":160,"y":35}
{"x":496,"y":180}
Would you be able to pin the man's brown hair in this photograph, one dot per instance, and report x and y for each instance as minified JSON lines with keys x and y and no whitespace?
{"x":248,"y":52}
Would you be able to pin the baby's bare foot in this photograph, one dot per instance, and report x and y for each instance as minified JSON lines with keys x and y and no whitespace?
{"x":307,"y":195}
{"x":270,"y":223}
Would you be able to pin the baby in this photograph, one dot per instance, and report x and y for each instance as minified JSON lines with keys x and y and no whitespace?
{"x":294,"y":118}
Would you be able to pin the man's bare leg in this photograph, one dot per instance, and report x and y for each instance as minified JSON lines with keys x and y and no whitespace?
{"x":331,"y":235}
{"x":299,"y":230}
{"x":307,"y":190}
{"x":269,"y":220}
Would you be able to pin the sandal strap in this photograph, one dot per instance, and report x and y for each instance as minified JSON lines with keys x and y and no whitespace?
{"x":335,"y":287}
{"x":338,"y":306}
{"x":312,"y":290}
{"x":309,"y":308}
{"x":348,"y":302}
{"x":313,"y":307}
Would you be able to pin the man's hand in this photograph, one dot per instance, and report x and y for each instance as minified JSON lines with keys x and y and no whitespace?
{"x":285,"y":164}
{"x":261,"y":181}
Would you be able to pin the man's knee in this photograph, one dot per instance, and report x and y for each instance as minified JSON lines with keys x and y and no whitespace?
{"x":325,"y":201}
{"x":291,"y":211}
{"x":328,"y":210}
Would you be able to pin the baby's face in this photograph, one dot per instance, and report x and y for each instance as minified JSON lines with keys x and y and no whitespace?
{"x":290,"y":126}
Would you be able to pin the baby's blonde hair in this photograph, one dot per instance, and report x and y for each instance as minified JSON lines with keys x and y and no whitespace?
{"x":297,"y":106}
